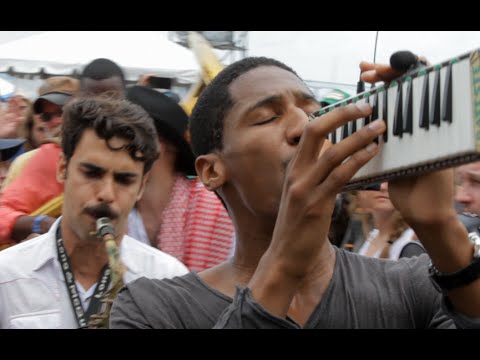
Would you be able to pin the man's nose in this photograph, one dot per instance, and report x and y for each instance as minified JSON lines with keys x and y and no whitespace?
{"x":384,"y":186}
{"x":296,"y":124}
{"x":106,"y":191}
{"x":462,"y":195}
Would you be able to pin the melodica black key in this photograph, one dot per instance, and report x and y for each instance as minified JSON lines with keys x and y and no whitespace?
{"x":424,"y":115}
{"x":333,"y":137}
{"x":374,"y":115}
{"x":446,"y":113}
{"x":366,"y":119}
{"x":353,"y":127}
{"x":398,"y":110}
{"x":429,"y":94}
{"x":408,"y":109}
{"x":345,"y":131}
{"x":435,"y":112}
{"x":385,"y":114}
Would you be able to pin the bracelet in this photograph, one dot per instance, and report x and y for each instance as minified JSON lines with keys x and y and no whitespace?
{"x":444,"y":282}
{"x":449,"y":281}
{"x":36,"y":228}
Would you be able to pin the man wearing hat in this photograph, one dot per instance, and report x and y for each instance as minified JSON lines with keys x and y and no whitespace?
{"x":36,"y":183}
{"x":48,"y":108}
{"x":177,"y":213}
{"x":60,"y":279}
{"x":36,"y":188}
{"x":53,"y":94}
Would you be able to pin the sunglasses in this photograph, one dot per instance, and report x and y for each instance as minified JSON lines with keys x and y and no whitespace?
{"x":372,"y":187}
{"x":48,"y":116}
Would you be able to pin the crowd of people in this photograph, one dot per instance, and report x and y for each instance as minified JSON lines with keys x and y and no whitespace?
{"x":230,"y":217}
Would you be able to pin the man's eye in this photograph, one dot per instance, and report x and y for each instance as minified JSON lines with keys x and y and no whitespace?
{"x":92,"y":174}
{"x":268,"y":120}
{"x":124,"y":180}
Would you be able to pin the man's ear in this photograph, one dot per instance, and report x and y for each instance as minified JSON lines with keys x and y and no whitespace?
{"x":211,"y":171}
{"x":61,"y":168}
{"x":142,"y":186}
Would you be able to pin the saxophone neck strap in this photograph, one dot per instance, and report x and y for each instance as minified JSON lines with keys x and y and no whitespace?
{"x":103,"y":283}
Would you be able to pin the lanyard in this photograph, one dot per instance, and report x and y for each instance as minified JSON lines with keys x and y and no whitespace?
{"x":100,"y":289}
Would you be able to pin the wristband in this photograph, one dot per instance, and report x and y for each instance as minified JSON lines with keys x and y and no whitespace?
{"x":448,"y":281}
{"x":36,"y":228}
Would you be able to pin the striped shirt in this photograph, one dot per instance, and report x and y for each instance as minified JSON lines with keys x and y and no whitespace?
{"x":195,"y":227}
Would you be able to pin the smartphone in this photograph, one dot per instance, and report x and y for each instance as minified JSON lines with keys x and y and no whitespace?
{"x":157,"y":82}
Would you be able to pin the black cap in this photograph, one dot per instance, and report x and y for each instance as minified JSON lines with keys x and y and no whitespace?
{"x":170,"y":120}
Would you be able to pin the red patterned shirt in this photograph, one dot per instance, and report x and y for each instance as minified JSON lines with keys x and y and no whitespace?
{"x":195,"y":227}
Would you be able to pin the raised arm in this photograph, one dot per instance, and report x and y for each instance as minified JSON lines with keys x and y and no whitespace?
{"x":307,"y":203}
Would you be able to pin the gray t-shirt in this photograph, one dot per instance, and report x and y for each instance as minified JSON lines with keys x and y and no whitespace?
{"x":363,"y":293}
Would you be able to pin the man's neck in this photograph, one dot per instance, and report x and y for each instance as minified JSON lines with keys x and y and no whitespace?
{"x":156,"y":198}
{"x":250,"y":245}
{"x":228,"y":276}
{"x":87,"y":256}
{"x":154,"y":193}
{"x":252,"y":239}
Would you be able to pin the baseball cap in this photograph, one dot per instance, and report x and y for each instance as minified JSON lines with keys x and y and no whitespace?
{"x":56,"y":89}
{"x":9,"y":147}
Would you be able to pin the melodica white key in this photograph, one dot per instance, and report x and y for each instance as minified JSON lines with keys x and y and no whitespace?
{"x":433,"y":120}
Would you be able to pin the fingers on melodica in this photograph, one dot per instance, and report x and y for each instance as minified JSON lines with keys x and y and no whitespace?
{"x":338,"y":153}
{"x":342,"y":174}
{"x":378,"y":72}
{"x":317,"y":129}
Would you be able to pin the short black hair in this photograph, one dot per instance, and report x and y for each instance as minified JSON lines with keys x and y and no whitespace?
{"x":207,"y":119}
{"x":101,"y":69}
{"x":110,"y":117}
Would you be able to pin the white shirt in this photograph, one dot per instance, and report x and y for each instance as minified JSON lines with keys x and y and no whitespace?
{"x":395,"y":250}
{"x":33,"y":293}
{"x":136,"y":228}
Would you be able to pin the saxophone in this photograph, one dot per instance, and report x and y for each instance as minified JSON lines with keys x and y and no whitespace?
{"x":105,"y":232}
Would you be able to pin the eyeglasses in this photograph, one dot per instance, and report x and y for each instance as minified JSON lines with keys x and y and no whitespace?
{"x":48,"y":116}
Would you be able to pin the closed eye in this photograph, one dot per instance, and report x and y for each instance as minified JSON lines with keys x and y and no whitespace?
{"x":267,"y":121}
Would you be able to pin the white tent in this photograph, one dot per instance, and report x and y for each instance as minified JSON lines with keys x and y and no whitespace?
{"x":63,"y":52}
{"x":7,"y":89}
